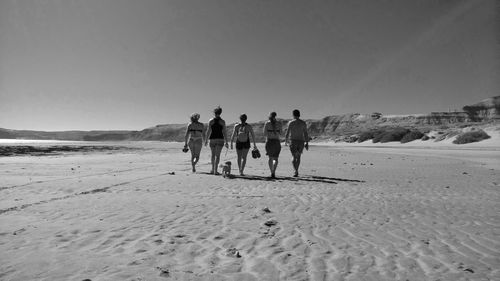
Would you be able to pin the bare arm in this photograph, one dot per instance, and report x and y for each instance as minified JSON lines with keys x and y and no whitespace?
{"x":209,"y":131}
{"x":306,"y":136}
{"x":253,"y":136}
{"x":233,"y":135}
{"x":186,"y":136}
{"x":287,"y":135}
{"x":202,"y":136}
{"x":224,"y":132}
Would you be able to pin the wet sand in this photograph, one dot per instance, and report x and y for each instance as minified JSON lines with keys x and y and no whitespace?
{"x":356,"y":213}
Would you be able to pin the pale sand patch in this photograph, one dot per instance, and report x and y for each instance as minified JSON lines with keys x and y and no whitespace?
{"x":359,"y":214}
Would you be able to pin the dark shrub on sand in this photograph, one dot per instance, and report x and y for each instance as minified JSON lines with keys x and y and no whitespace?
{"x":377,"y":135}
{"x":394,"y":135}
{"x":388,"y":135}
{"x":473,"y":136}
{"x":425,"y":137}
{"x":365,"y":136}
{"x":411,"y":136}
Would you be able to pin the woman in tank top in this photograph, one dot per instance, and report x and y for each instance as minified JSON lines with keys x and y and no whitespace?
{"x":216,"y":133}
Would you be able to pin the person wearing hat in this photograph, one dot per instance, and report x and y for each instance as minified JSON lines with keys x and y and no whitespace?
{"x":272,"y":132}
{"x":242,"y":133}
{"x":217,"y":135}
{"x":194,"y":139}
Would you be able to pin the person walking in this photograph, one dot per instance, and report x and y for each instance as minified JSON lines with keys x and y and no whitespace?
{"x":272,"y":132}
{"x":217,"y":135}
{"x":242,"y":133}
{"x":194,"y":139}
{"x":297,"y":132}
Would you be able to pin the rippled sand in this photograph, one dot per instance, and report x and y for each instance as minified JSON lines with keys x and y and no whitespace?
{"x":356,"y":213}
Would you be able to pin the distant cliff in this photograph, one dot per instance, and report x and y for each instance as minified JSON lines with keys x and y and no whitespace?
{"x":329,"y":127}
{"x":485,"y":109}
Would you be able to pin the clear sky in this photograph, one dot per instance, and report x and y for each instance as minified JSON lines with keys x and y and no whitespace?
{"x":130,"y":64}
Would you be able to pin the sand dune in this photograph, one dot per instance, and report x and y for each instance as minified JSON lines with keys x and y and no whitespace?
{"x":356,"y":213}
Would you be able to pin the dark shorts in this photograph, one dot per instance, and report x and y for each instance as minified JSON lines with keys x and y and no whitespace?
{"x":243,"y":145}
{"x":216,"y":142}
{"x":273,"y":148}
{"x":297,"y":146}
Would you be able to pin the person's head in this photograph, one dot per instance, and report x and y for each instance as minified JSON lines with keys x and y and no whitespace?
{"x":243,"y":118}
{"x":218,"y":111}
{"x":296,"y":113}
{"x":195,"y":117}
{"x":272,"y":116}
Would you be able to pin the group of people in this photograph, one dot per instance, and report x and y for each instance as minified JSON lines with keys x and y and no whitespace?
{"x":296,"y":138}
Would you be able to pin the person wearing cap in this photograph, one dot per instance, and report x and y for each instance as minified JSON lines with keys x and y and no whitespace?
{"x":194,"y":139}
{"x":297,"y":132}
{"x":217,"y":135}
{"x":272,"y":132}
{"x":242,"y":133}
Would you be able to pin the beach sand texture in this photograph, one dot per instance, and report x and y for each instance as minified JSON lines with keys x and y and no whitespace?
{"x":354,"y":214}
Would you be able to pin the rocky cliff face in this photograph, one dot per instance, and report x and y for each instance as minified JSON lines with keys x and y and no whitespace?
{"x":487,"y":109}
{"x":329,"y":127}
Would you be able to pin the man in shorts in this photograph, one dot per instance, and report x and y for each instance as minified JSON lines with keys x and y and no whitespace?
{"x":297,"y":133}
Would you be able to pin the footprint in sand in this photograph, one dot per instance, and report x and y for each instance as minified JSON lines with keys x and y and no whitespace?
{"x":266,"y":210}
{"x":164,"y":272}
{"x":270,"y":223}
{"x":233,"y":252}
{"x":19,"y":231}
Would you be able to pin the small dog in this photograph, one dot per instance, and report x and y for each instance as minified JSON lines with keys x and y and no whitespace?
{"x":226,"y":169}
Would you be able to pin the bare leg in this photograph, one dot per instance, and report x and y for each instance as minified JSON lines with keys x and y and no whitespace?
{"x":212,"y":159}
{"x":195,"y":147}
{"x":193,"y":157}
{"x":193,"y":163}
{"x":244,"y":154}
{"x":216,"y":158}
{"x":273,"y":164}
{"x":296,"y":164}
{"x":239,"y":152}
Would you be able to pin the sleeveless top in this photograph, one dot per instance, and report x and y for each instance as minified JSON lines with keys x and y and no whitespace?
{"x":216,"y":130}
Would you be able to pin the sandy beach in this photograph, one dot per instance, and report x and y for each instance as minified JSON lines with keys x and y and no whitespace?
{"x":356,"y":213}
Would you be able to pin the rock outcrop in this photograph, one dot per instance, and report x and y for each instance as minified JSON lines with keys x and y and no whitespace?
{"x":488,"y":109}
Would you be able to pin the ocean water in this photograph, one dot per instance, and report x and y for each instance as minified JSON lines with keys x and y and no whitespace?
{"x":22,"y":141}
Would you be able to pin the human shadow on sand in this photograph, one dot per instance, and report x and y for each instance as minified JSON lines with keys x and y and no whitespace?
{"x":308,"y":178}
